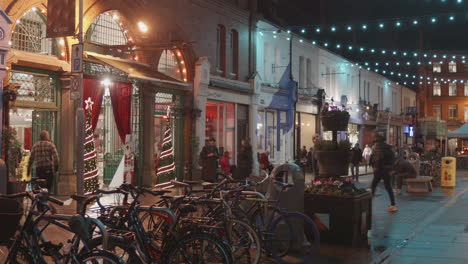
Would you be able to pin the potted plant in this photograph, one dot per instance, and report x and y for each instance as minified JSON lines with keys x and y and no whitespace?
{"x":333,"y":157}
{"x":335,"y":120}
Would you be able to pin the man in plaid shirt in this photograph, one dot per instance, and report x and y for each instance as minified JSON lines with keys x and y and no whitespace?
{"x":45,"y":158}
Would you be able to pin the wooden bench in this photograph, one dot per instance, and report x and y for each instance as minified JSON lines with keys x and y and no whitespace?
{"x":420,"y":184}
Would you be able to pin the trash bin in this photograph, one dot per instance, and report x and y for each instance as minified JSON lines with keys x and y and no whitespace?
{"x":448,"y":173}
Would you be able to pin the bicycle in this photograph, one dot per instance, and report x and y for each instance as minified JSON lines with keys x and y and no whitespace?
{"x":172,"y":247}
{"x":31,"y":245}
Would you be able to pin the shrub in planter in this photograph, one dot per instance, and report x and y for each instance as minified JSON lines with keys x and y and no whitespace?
{"x":335,"y":120}
{"x":333,"y":157}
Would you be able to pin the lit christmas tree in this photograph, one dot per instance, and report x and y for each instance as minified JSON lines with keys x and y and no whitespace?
{"x":166,"y":169}
{"x":91,"y":183}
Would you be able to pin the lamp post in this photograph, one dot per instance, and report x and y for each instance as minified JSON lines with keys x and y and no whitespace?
{"x":80,"y":119}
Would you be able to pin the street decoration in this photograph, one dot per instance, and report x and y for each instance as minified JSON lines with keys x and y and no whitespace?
{"x":166,"y":170}
{"x":91,"y":183}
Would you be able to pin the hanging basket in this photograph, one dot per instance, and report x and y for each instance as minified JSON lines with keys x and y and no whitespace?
{"x":335,"y":120}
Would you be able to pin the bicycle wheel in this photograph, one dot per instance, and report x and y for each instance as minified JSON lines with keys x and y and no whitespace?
{"x":98,"y":257}
{"x":303,"y":236}
{"x":197,"y":248}
{"x":117,"y":246}
{"x":245,"y":243}
{"x":21,"y":256}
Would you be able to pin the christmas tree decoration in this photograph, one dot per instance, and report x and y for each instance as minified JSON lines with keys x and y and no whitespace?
{"x":91,"y":183}
{"x":166,"y":170}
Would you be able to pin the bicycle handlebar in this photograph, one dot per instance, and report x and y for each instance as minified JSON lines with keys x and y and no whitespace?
{"x":55,"y":201}
{"x":15,"y":195}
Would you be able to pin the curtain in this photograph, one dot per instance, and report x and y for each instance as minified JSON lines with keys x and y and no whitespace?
{"x":121,"y":98}
{"x":93,"y":89}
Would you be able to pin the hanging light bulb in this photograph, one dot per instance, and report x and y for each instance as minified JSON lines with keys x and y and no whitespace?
{"x":433,"y":20}
{"x":333,"y":29}
{"x":349,"y":28}
{"x":451,"y":18}
{"x":317,"y":30}
{"x":398,"y":23}
{"x":415,"y":22}
{"x":381,"y":25}
{"x":364,"y":26}
{"x":303,"y":30}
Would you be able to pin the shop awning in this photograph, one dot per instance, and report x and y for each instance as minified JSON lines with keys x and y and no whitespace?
{"x":462,"y":132}
{"x":39,"y":61}
{"x":133,"y":69}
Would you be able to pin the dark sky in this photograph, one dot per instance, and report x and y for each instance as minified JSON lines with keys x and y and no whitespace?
{"x":446,"y":36}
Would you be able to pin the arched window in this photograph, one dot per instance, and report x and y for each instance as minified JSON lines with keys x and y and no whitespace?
{"x":221,"y":49}
{"x":106,"y":30}
{"x":170,"y":64}
{"x":29,"y":34}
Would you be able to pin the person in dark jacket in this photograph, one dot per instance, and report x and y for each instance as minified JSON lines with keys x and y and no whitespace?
{"x":382,"y":160}
{"x":315,"y":166}
{"x":209,"y":156}
{"x":244,"y":161}
{"x":403,"y":170}
{"x":356,"y":157}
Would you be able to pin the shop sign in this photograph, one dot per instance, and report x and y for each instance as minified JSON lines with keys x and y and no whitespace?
{"x":77,"y":58}
{"x":60,"y":18}
{"x":75,"y":84}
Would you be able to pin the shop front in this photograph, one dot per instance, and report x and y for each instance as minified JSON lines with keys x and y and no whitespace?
{"x":306,"y":125}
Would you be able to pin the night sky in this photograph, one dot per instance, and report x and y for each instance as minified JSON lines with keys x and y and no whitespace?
{"x":444,"y":35}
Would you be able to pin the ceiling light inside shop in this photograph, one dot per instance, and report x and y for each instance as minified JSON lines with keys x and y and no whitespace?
{"x":143,"y":27}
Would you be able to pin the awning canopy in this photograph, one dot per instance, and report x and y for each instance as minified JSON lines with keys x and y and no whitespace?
{"x":133,"y":69}
{"x":39,"y":61}
{"x":462,"y":132}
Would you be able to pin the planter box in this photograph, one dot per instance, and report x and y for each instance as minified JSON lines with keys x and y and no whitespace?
{"x":349,"y":217}
{"x":333,"y":163}
{"x":16,"y":186}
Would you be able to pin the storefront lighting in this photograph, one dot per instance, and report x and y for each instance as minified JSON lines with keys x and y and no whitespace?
{"x":179,"y":54}
{"x":184,"y":70}
{"x":62,"y":54}
{"x":135,"y":58}
{"x":34,"y":9}
{"x":185,"y":79}
{"x":106,"y":82}
{"x":181,"y":62}
{"x":143,"y":27}
{"x":18,"y":21}
{"x":62,"y":42}
{"x":115,"y":16}
{"x":9,"y":43}
{"x":43,"y":11}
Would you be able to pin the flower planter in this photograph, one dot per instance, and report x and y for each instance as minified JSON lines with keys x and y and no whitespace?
{"x":333,"y":163}
{"x":349,"y":217}
{"x":335,"y":121}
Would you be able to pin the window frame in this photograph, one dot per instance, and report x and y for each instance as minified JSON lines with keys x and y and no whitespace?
{"x":437,"y":68}
{"x":439,"y":113}
{"x":452,"y":67}
{"x":235,"y":53}
{"x":451,"y":86}
{"x":452,"y":110}
{"x":433,"y":89}
{"x":221,"y":49}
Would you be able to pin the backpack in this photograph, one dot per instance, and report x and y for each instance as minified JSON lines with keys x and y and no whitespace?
{"x":383,"y":156}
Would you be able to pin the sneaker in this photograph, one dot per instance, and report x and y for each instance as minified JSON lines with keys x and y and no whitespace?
{"x":392,"y":208}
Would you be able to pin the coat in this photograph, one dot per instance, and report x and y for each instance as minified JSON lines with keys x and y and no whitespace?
{"x":244,"y":163}
{"x":209,"y":163}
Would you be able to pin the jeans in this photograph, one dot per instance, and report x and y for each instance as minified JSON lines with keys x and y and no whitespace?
{"x":47,"y":174}
{"x":355,"y":171}
{"x":383,"y":174}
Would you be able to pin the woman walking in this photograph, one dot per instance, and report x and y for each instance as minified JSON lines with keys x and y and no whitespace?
{"x":366,"y":154}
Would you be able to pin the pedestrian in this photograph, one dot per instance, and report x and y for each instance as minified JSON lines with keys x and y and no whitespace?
{"x":309,"y":158}
{"x":382,"y":161}
{"x":225,"y":163}
{"x":356,"y":157}
{"x":44,"y":157}
{"x":315,"y":166}
{"x":403,"y":169}
{"x":265,"y":163}
{"x":366,"y":154}
{"x":244,"y":161}
{"x":209,"y":157}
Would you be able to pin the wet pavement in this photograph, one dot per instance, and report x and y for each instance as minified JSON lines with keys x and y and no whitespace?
{"x":428,"y":228}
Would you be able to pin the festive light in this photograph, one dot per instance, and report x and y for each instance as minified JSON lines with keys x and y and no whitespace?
{"x":142,"y":27}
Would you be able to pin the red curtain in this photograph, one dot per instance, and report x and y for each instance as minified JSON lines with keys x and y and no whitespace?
{"x":121,"y":98}
{"x":93,"y":89}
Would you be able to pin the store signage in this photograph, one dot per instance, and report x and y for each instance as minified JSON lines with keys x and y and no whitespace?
{"x":77,"y":58}
{"x":75,"y":84}
{"x":60,"y":18}
{"x":411,"y":131}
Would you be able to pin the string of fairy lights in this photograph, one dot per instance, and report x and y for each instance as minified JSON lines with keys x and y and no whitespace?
{"x":382,"y":24}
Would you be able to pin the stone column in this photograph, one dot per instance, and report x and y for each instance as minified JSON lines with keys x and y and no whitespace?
{"x":67,"y":177}
{"x":149,"y":175}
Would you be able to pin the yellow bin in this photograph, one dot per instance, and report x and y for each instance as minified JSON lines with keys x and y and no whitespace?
{"x":448,"y":173}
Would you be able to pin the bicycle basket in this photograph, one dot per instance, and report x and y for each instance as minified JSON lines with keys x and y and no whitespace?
{"x":10,"y":216}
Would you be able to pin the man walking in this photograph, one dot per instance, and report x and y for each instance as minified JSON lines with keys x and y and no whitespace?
{"x":44,"y":157}
{"x":356,"y":157}
{"x":382,"y":161}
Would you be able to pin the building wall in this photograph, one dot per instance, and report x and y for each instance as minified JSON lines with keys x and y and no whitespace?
{"x":427,"y":99}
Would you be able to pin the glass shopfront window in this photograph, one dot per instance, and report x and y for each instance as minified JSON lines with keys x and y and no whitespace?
{"x":267,"y":131}
{"x":220,"y":125}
